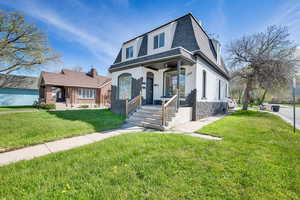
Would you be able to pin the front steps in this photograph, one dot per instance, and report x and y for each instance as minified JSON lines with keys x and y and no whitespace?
{"x":151,"y":117}
{"x":147,"y":116}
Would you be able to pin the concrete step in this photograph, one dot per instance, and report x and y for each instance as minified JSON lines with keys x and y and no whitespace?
{"x":146,"y":119}
{"x":146,"y":124}
{"x":145,"y":115}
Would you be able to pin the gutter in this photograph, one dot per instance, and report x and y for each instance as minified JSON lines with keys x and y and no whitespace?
{"x":216,"y":67}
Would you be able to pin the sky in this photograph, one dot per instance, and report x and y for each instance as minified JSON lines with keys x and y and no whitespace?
{"x":90,"y":32}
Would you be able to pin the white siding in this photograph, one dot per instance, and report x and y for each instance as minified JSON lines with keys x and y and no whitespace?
{"x":139,"y":72}
{"x":136,"y":73}
{"x":212,"y":83}
{"x":169,"y":33}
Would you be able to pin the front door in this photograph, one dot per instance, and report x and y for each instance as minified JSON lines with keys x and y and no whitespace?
{"x":149,"y":88}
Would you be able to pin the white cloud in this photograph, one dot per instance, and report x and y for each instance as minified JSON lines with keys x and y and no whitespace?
{"x":103,"y":50}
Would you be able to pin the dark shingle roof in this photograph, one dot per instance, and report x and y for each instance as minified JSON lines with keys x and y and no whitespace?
{"x":144,"y":46}
{"x":119,"y":57}
{"x":73,"y":79}
{"x":188,"y":34}
{"x":18,"y":82}
{"x":184,"y":35}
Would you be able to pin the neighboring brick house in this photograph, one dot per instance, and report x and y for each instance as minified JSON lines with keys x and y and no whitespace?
{"x":72,"y":89}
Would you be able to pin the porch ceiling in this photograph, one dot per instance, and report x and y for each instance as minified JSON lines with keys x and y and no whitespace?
{"x":166,"y":64}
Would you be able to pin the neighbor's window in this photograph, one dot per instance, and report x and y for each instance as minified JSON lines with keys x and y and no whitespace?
{"x":129,"y":52}
{"x":124,"y":85}
{"x":203,"y":84}
{"x":159,"y":40}
{"x":87,"y":93}
{"x":170,"y":78}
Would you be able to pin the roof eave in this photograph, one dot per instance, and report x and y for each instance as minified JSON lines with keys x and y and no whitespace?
{"x":200,"y":53}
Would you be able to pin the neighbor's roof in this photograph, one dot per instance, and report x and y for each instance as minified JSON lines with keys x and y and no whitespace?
{"x":73,"y":79}
{"x":189,"y":34}
{"x":18,"y":82}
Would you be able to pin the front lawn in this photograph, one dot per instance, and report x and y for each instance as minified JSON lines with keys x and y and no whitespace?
{"x":23,"y":129}
{"x":16,"y":108}
{"x":257,"y":159}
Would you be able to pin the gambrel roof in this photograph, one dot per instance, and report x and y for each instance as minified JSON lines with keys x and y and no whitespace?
{"x":189,"y":35}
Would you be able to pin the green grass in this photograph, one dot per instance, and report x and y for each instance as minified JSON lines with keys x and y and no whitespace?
{"x":23,"y":129}
{"x":257,"y":159}
{"x":16,"y":108}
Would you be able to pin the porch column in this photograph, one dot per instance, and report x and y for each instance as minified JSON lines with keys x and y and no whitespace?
{"x":178,"y":78}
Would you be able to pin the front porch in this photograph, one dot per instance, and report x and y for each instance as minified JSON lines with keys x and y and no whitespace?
{"x":153,"y":93}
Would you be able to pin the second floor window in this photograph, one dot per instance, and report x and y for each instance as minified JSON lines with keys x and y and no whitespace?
{"x":129,"y":52}
{"x":159,"y":41}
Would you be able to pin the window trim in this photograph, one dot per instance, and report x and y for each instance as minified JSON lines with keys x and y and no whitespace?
{"x":118,"y":92}
{"x":128,"y":56}
{"x":164,"y":81}
{"x":159,"y":41}
{"x":87,"y":93}
{"x":204,"y":83}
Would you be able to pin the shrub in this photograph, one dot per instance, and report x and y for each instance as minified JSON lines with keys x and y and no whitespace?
{"x":49,"y":106}
{"x":83,"y":106}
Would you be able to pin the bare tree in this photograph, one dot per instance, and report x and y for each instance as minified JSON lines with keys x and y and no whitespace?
{"x":77,"y":68}
{"x":22,"y":46}
{"x":266,"y":58}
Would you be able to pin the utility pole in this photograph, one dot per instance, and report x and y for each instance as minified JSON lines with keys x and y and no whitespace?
{"x":294,"y":101}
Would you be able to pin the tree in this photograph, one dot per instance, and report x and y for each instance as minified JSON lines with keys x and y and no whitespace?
{"x":77,"y":68}
{"x":267,"y":59}
{"x":22,"y":45}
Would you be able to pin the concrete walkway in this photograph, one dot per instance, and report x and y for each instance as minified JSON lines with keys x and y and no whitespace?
{"x":17,"y":111}
{"x":31,"y":152}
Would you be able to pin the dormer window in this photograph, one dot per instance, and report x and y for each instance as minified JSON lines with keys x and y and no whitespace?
{"x":129,"y":52}
{"x":159,"y":41}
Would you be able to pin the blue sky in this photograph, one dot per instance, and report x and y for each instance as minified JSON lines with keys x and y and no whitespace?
{"x":89,"y":32}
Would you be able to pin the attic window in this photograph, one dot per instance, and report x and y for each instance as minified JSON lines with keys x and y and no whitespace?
{"x":129,"y":52}
{"x":159,"y":41}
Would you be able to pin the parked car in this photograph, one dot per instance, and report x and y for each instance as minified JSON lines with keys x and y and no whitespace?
{"x":231,"y":103}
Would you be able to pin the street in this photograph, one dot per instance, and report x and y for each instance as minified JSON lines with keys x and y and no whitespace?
{"x":287,"y":111}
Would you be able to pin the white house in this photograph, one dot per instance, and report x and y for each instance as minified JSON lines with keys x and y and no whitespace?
{"x":178,"y":56}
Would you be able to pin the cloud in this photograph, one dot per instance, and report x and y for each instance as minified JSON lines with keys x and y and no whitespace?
{"x":103,"y":50}
{"x":288,"y":15}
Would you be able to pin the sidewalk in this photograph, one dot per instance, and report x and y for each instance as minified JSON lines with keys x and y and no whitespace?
{"x":31,"y":152}
{"x":17,"y":111}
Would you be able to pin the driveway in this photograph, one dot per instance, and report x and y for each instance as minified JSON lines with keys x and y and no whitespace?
{"x":287,"y":111}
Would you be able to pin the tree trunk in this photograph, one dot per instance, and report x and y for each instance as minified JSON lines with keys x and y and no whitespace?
{"x":247,"y":95}
{"x":263,"y":97}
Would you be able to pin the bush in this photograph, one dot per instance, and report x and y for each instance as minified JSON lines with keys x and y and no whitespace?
{"x":49,"y":106}
{"x":83,"y":106}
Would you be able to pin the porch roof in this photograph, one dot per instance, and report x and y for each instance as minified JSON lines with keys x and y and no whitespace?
{"x":175,"y":53}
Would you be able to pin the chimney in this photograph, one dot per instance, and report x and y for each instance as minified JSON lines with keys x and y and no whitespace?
{"x":93,"y":72}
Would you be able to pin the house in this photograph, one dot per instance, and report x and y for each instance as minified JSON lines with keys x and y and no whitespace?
{"x":69,"y":89}
{"x":177,"y":68}
{"x":18,"y":90}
